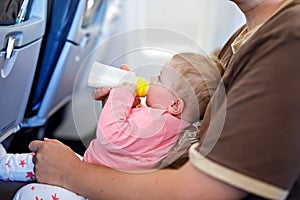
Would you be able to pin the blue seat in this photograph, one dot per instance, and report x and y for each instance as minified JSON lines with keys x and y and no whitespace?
{"x":53,"y":43}
{"x":67,"y":43}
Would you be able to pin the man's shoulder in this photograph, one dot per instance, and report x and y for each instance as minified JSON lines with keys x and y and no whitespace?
{"x":286,"y":20}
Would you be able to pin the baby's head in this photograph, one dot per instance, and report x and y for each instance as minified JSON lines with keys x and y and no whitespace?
{"x":185,"y":85}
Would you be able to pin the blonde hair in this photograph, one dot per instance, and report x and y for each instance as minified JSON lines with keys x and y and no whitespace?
{"x":198,"y":77}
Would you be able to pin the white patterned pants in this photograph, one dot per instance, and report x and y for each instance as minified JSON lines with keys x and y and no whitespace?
{"x":19,"y":167}
{"x":38,"y":191}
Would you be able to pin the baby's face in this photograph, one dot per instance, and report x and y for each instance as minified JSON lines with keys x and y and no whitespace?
{"x":159,"y":94}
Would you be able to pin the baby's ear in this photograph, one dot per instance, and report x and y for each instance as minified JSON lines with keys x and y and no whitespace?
{"x":176,"y":106}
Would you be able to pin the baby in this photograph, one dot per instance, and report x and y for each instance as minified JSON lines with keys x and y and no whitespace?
{"x":139,"y":138}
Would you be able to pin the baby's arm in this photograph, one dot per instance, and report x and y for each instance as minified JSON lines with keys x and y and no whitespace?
{"x":17,"y":167}
{"x":115,"y":113}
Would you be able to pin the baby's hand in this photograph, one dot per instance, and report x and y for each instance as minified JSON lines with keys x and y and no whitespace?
{"x":132,"y":89}
{"x":129,"y":87}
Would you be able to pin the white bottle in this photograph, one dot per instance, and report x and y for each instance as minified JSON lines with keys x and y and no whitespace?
{"x":105,"y":75}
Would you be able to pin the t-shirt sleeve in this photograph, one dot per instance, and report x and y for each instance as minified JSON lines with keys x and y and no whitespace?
{"x":256,"y":149}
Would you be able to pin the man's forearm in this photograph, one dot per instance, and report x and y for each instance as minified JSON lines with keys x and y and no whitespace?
{"x":97,"y":182}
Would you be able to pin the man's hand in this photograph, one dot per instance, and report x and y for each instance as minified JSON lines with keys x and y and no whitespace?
{"x":53,"y":160}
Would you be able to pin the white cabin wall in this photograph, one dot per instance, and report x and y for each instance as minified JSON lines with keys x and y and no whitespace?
{"x":208,"y":22}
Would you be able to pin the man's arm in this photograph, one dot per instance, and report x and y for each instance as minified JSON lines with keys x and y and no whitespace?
{"x":57,"y":164}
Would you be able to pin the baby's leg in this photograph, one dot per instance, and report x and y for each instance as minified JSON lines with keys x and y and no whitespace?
{"x":16,"y":167}
{"x":45,"y":192}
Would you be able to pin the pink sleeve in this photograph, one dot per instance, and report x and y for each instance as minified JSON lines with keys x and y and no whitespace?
{"x":119,"y":123}
{"x":113,"y":120}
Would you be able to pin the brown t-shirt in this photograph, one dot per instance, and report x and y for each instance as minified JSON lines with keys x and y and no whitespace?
{"x":251,"y":130}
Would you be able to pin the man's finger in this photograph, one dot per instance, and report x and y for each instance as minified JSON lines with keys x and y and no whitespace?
{"x":35,"y":145}
{"x":52,"y":140}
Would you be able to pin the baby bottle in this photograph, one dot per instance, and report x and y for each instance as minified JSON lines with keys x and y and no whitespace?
{"x":104,"y":75}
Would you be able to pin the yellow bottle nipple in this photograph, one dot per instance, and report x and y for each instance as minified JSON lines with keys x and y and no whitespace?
{"x":141,"y":87}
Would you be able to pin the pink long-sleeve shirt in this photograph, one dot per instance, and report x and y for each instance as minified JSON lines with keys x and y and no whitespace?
{"x":132,"y":138}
